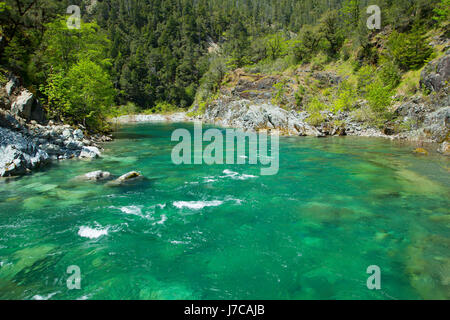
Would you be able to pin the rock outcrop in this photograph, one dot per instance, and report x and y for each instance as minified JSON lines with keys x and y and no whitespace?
{"x":28,"y":141}
{"x":436,"y":74}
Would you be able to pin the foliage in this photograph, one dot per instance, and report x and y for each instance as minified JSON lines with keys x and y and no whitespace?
{"x":280,"y":93}
{"x":299,"y":96}
{"x":127,"y":109}
{"x":346,"y":97}
{"x":332,"y":31}
{"x":442,"y":11}
{"x":61,"y":47}
{"x":409,"y":50}
{"x":390,"y":74}
{"x":379,"y":97}
{"x":83,"y":95}
{"x":164,"y":108}
{"x":314,"y":109}
{"x":366,"y":76}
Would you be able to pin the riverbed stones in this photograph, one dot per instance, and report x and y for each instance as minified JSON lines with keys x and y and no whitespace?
{"x":25,"y":146}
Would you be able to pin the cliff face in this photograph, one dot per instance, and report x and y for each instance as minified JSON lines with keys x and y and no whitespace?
{"x":269,"y":102}
{"x":28,"y":140}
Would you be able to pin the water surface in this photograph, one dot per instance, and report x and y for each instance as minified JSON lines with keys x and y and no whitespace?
{"x":337,"y":206}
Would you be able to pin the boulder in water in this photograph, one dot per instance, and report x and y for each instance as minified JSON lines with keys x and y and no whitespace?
{"x":421,"y":151}
{"x":128,"y":177}
{"x":94,"y":176}
{"x":90,"y":152}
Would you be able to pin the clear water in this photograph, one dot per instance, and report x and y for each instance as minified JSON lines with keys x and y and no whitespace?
{"x":337,"y":206}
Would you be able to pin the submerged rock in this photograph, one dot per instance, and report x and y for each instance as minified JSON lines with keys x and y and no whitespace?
{"x":128,"y":177}
{"x":94,"y":176}
{"x":421,"y":151}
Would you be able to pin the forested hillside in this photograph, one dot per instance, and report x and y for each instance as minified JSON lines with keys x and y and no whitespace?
{"x":166,"y":54}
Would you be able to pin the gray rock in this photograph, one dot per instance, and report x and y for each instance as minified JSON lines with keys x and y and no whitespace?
{"x":11,"y":85}
{"x":444,"y":148}
{"x":437,"y":124}
{"x":66,"y":134}
{"x":18,"y":153}
{"x":72,"y":144}
{"x":128,"y":177}
{"x":436,"y":74}
{"x":90,"y":152}
{"x":78,"y":134}
{"x":28,"y":107}
{"x":94,"y":176}
{"x":52,"y":149}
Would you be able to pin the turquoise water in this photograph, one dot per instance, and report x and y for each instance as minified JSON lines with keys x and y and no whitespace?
{"x":337,"y":206}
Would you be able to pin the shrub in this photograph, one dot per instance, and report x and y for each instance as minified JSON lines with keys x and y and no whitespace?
{"x":314,"y":108}
{"x":409,"y":50}
{"x":366,"y":76}
{"x":299,"y":96}
{"x":346,"y":97}
{"x":280,"y":93}
{"x":390,"y":74}
{"x":442,"y":11}
{"x":379,"y":97}
{"x":163,"y":107}
{"x":127,"y":109}
{"x":83,"y":95}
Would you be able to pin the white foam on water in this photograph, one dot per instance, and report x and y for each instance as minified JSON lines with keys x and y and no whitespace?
{"x":178,"y":242}
{"x":163,"y":219}
{"x":197,"y":205}
{"x":236,"y":176}
{"x":238,"y":201}
{"x":135,"y":210}
{"x":87,"y":232}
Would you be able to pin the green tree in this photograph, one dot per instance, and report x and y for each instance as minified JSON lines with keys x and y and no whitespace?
{"x":409,"y":50}
{"x":332,"y":31}
{"x":83,"y":95}
{"x":442,"y":11}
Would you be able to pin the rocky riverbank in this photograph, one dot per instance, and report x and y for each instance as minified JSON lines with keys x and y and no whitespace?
{"x":28,"y":141}
{"x":247,"y":101}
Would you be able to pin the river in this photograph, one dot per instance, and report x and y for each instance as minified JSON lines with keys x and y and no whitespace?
{"x":336,"y":207}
